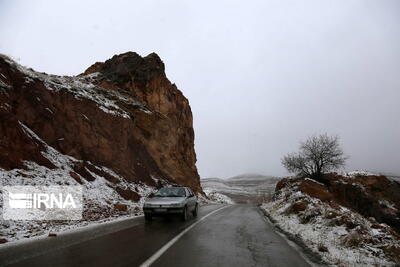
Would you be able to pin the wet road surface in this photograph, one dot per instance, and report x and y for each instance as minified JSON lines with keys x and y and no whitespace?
{"x":236,"y":235}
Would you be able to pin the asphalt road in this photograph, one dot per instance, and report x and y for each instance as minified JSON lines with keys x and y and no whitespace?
{"x":235,"y":235}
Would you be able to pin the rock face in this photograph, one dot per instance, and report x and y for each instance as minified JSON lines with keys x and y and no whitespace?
{"x":123,"y":114}
{"x":372,"y":196}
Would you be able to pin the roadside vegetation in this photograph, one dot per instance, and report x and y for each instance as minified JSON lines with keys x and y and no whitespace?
{"x":317,"y":155}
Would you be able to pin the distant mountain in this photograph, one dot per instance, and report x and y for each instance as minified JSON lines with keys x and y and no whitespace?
{"x":243,"y":188}
{"x":250,"y":176}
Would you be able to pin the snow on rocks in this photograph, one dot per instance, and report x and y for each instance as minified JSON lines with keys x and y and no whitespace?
{"x":81,"y":87}
{"x":339,"y":235}
{"x":4,"y":85}
{"x":357,"y":173}
{"x":100,"y":195}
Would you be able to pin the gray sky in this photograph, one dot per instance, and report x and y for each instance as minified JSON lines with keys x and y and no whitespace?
{"x":260,"y":75}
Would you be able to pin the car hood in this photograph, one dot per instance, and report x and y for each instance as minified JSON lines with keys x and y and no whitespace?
{"x":165,"y":200}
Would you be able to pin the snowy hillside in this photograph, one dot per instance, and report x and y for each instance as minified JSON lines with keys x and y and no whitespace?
{"x":243,"y":188}
{"x":216,"y":197}
{"x":334,"y":227}
{"x":103,"y":198}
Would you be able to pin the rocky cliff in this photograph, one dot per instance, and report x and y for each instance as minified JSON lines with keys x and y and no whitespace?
{"x":121,"y":122}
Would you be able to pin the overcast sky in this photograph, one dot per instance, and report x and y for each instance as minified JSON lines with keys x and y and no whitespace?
{"x":260,"y":75}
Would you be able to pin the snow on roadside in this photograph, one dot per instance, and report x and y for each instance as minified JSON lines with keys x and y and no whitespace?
{"x":100,"y":195}
{"x":342,"y":237}
{"x":217,"y":197}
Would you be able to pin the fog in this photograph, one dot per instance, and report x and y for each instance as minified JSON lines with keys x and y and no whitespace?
{"x":260,"y":75}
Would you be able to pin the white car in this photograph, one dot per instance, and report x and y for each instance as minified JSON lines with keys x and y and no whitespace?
{"x":171,"y":200}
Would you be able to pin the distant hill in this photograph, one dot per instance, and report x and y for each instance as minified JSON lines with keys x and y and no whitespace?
{"x":250,"y":176}
{"x":244,"y":188}
{"x":392,"y":176}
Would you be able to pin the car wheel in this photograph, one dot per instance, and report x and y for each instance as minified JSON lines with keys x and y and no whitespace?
{"x":184,"y":214}
{"x":196,"y":210}
{"x":148,"y":217}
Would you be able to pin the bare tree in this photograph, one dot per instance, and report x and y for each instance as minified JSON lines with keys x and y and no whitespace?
{"x":317,"y":155}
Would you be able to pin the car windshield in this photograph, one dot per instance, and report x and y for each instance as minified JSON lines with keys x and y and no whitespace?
{"x":170,"y":192}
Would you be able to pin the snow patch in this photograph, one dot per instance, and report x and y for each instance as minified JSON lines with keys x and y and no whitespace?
{"x":218,"y":197}
{"x":324,"y":230}
{"x":100,"y":195}
{"x":357,"y":173}
{"x":81,"y":87}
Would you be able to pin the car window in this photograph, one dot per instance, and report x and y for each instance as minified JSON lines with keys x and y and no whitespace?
{"x":190,"y":192}
{"x":171,"y":192}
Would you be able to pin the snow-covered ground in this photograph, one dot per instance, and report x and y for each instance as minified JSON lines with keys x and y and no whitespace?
{"x":100,"y":196}
{"x":342,"y":237}
{"x":217,"y":197}
{"x":357,"y":173}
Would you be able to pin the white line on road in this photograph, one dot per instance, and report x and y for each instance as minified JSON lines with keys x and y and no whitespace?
{"x":161,"y":251}
{"x":290,"y":243}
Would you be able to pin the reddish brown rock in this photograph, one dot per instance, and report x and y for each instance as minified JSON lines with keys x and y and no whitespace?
{"x":121,"y":207}
{"x":76,"y":177}
{"x":281,"y":184}
{"x":374,"y":197}
{"x":81,"y":168}
{"x":286,"y":182}
{"x":315,"y":189}
{"x":331,"y":215}
{"x":393,"y":252}
{"x":15,"y":143}
{"x":128,"y":194}
{"x":371,"y":196}
{"x":298,"y":207}
{"x":154,"y":139}
{"x":167,"y":133}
